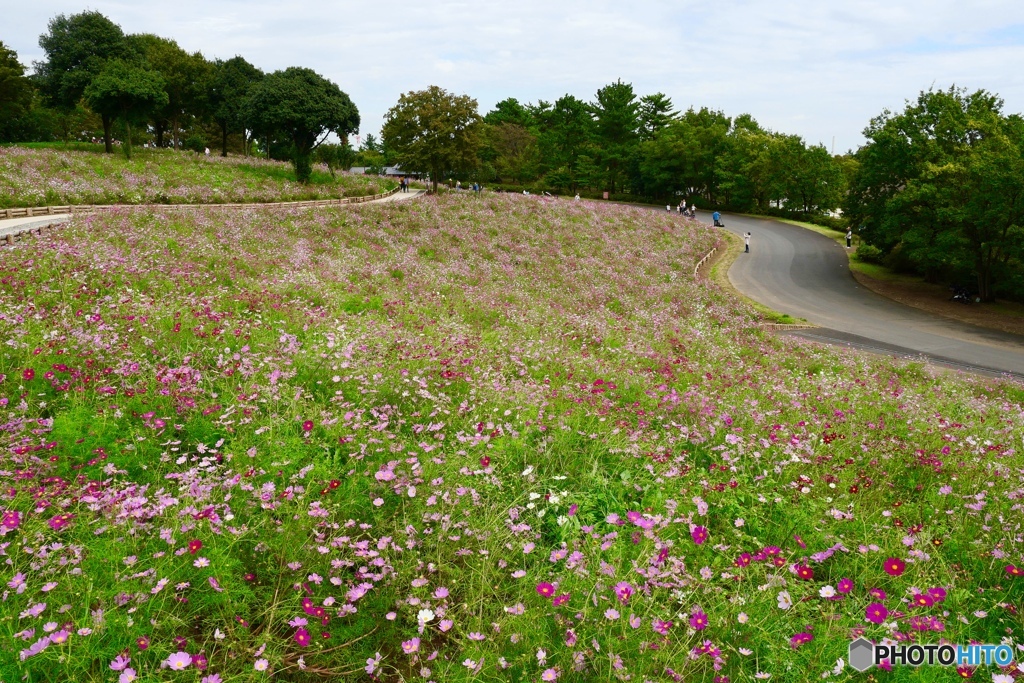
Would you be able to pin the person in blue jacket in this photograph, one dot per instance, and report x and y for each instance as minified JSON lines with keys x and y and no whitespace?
{"x":717,"y":217}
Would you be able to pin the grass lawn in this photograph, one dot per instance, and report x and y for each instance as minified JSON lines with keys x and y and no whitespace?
{"x":470,"y":438}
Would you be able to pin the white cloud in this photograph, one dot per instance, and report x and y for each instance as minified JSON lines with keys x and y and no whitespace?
{"x":818,"y":69}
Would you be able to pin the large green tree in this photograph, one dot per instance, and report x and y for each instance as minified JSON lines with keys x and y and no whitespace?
{"x":566,"y":139}
{"x":15,"y":87}
{"x":940,"y":187}
{"x":126,"y":91}
{"x":229,"y":90}
{"x":617,"y":119}
{"x":187,"y":79}
{"x":77,"y":48}
{"x":304,"y":108}
{"x":433,"y":130}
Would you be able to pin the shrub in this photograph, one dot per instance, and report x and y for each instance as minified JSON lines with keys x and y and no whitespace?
{"x":868,"y":253}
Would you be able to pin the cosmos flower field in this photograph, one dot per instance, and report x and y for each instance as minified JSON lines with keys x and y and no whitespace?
{"x":41,"y":177}
{"x":462,"y":438}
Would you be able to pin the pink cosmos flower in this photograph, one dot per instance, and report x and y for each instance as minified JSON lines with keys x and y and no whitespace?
{"x":549,"y":675}
{"x":410,"y":646}
{"x":559,"y":600}
{"x":661,"y":626}
{"x":623,"y":591}
{"x":545,"y":589}
{"x":177,"y":661}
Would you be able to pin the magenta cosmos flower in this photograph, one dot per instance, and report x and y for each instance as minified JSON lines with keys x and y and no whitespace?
{"x":844,"y":586}
{"x":876,"y":613}
{"x":302,"y":637}
{"x":699,"y":534}
{"x":699,"y":620}
{"x":804,"y":572}
{"x":545,"y":589}
{"x":623,"y":591}
{"x":11,"y":519}
{"x":800,"y":639}
{"x":894,"y":566}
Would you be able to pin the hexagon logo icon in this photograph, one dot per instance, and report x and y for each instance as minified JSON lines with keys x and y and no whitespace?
{"x":862,"y":654}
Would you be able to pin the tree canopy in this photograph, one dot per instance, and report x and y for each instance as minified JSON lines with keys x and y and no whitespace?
{"x":77,"y":48}
{"x":433,"y":130}
{"x":229,"y":89}
{"x":15,"y":87}
{"x":128,"y":92}
{"x":939,"y":189}
{"x":303,"y":107}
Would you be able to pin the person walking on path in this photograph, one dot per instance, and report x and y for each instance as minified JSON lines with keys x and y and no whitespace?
{"x":849,"y":237}
{"x":717,"y":218}
{"x":746,"y":241}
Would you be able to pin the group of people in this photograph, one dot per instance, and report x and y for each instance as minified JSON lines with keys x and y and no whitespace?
{"x":476,"y":187}
{"x":403,"y":184}
{"x":684,"y":211}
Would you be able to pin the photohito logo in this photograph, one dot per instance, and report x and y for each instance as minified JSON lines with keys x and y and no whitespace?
{"x":864,"y":654}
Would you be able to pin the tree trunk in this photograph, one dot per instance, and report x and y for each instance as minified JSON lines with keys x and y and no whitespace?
{"x":159,"y":133}
{"x":224,"y":139}
{"x":174,"y":130}
{"x":127,"y":146}
{"x":985,"y":280}
{"x":108,"y":144}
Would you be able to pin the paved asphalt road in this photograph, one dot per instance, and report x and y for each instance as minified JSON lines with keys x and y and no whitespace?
{"x":807,"y":275}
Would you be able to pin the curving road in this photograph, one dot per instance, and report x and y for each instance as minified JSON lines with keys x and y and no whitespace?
{"x":807,"y":275}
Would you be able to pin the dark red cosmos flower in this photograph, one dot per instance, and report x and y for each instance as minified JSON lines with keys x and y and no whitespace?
{"x":142,"y":642}
{"x":894,"y":566}
{"x":1014,"y":570}
{"x":194,"y":546}
{"x":804,"y":572}
{"x":28,"y":375}
{"x":485,"y":461}
{"x":307,"y":426}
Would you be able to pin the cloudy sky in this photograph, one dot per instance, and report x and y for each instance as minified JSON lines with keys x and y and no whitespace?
{"x":820,"y":69}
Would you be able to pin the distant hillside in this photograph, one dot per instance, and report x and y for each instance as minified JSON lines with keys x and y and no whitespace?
{"x":47,"y":176}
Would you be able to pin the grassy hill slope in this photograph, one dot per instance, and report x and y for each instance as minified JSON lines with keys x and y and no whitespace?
{"x":469,"y":438}
{"x":40,"y":177}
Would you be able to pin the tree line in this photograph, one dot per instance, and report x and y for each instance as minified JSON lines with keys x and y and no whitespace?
{"x":148,"y":87}
{"x":628,"y":144}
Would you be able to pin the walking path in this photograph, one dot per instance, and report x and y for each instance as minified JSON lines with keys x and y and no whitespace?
{"x":807,"y":275}
{"x":12,"y":229}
